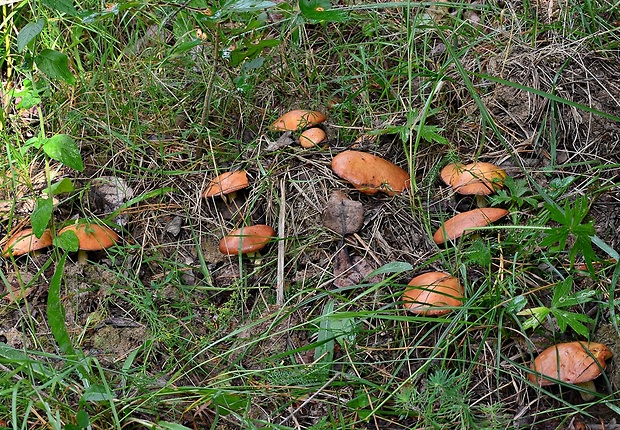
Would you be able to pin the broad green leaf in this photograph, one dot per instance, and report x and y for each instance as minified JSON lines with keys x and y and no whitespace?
{"x":251,"y":51}
{"x":28,"y":33}
{"x":56,"y":312}
{"x":324,"y":352}
{"x":393,"y":267}
{"x":65,"y":6}
{"x":15,"y":357}
{"x":29,"y":96}
{"x":516,"y":304}
{"x":41,"y":215}
{"x":344,"y":329}
{"x":82,"y":418}
{"x":63,"y":148}
{"x":537,"y":316}
{"x":320,"y":10}
{"x":68,"y":241}
{"x":227,"y":402}
{"x":166,"y":425}
{"x":247,"y":5}
{"x":97,"y":394}
{"x":55,"y":65}
{"x":62,"y":187}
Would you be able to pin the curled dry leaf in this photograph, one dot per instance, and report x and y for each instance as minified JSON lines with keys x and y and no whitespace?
{"x":352,"y":270}
{"x":283,"y":141}
{"x":343,"y":215}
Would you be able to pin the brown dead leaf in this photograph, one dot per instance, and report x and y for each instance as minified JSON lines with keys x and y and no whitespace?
{"x":286,"y":139}
{"x":13,"y":291}
{"x":343,"y":215}
{"x":352,"y":270}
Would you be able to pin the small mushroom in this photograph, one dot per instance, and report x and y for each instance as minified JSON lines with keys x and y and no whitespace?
{"x":25,"y":242}
{"x":457,"y":225}
{"x":312,"y":137}
{"x":370,"y":174}
{"x":479,"y":179}
{"x":433,"y":294}
{"x":247,"y":240}
{"x":227,"y":184}
{"x":91,"y":237}
{"x":296,"y":120}
{"x":571,"y":362}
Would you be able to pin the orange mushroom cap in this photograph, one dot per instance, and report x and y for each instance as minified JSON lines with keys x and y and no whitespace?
{"x":430,"y":290}
{"x":25,"y":241}
{"x":91,"y":236}
{"x":451,"y":172}
{"x":296,"y":120}
{"x":456,"y":226}
{"x":312,"y":137}
{"x":369,"y":173}
{"x":479,"y":178}
{"x":245,"y":240}
{"x":578,"y":362}
{"x":227,"y":183}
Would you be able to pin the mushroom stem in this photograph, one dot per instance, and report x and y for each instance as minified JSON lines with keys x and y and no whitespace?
{"x":588,"y":395}
{"x":481,"y":202}
{"x":82,"y":256}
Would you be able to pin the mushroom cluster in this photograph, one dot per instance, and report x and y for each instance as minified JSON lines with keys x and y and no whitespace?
{"x":478,"y":179}
{"x":301,"y":119}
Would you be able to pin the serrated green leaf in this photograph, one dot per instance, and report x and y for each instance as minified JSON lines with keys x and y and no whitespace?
{"x":430,"y":133}
{"x":55,"y":65}
{"x":63,"y":148}
{"x":68,"y":241}
{"x":41,"y":215}
{"x":28,"y":33}
{"x":574,"y":320}
{"x":65,"y":6}
{"x":562,"y":292}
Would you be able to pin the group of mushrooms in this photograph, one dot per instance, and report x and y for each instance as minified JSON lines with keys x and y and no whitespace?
{"x":429,"y":294}
{"x":91,"y":237}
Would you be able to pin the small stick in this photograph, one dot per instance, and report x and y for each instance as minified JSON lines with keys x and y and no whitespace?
{"x":281,"y":233}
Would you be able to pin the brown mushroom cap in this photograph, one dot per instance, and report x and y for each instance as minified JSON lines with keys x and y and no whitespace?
{"x":433,"y":289}
{"x":578,"y":362}
{"x":296,"y":120}
{"x":245,"y":240}
{"x":369,"y":173}
{"x":92,"y":237}
{"x":456,"y":226}
{"x":311,"y":137}
{"x":479,"y":179}
{"x":227,"y":183}
{"x":25,"y":241}
{"x":451,"y":172}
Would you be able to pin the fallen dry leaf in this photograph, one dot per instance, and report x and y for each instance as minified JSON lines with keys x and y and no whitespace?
{"x":343,"y":215}
{"x":352,"y":270}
